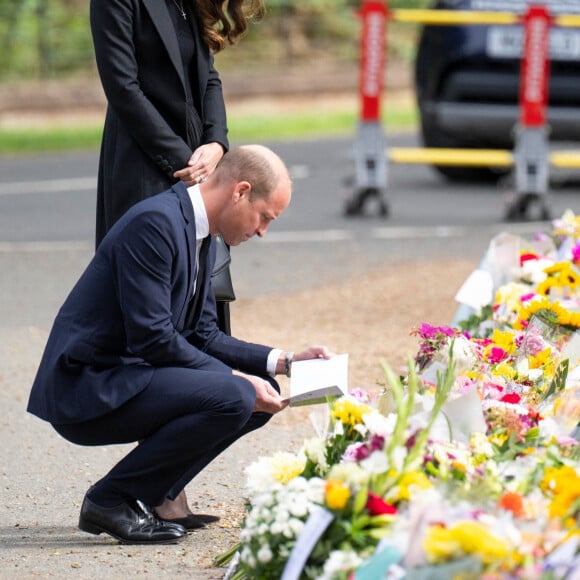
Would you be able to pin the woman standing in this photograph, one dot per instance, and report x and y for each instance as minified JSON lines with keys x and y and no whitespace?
{"x":166,"y":118}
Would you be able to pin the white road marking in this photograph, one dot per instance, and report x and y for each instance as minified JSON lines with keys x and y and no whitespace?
{"x":48,"y":186}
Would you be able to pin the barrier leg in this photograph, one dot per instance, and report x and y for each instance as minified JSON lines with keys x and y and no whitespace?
{"x":370,"y":170}
{"x":531,"y":157}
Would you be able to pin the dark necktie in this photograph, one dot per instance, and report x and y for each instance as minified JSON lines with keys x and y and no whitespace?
{"x":195,"y":302}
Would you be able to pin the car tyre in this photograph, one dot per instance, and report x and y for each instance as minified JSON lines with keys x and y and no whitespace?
{"x":432,"y":136}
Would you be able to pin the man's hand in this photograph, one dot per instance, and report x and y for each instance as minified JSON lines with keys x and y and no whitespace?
{"x":267,"y":398}
{"x":314,"y":352}
{"x":308,"y":354}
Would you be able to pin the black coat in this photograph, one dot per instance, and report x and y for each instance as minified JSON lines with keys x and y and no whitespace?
{"x":149,"y":129}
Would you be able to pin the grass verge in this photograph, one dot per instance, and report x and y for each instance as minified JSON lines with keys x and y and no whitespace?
{"x":242,"y":128}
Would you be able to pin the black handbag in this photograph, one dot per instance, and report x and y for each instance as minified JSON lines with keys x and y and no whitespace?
{"x":221,"y":280}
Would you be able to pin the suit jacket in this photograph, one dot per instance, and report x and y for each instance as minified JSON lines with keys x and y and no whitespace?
{"x":150,"y":127}
{"x":126,"y":316}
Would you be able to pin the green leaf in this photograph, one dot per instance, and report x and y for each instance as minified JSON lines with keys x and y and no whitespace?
{"x":360,"y":501}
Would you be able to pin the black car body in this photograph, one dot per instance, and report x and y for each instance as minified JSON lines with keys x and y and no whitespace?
{"x":468,"y":80}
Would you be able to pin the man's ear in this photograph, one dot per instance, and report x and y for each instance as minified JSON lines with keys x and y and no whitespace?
{"x":243,"y":189}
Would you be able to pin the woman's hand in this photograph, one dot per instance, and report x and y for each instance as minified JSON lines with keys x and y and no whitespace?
{"x":201,"y":164}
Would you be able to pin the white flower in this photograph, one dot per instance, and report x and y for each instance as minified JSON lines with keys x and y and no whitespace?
{"x":296,"y":526}
{"x":375,"y":463}
{"x":314,"y":449}
{"x":378,"y":424}
{"x":264,"y":554}
{"x":464,"y":354}
{"x":351,"y":473}
{"x":339,"y":564}
{"x":278,"y":468}
{"x":360,"y":428}
{"x":532,"y":271}
{"x":299,"y":508}
{"x":398,"y":457}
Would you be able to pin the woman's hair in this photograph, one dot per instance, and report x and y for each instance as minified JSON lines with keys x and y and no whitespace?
{"x":225,"y":21}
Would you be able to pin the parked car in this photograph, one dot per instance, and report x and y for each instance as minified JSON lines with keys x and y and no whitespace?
{"x":467,"y":81}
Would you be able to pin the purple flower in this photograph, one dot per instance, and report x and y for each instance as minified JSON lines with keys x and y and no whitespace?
{"x":360,"y":395}
{"x":355,"y":452}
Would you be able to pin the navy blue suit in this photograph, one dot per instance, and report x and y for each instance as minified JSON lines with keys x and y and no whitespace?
{"x":121,"y":366}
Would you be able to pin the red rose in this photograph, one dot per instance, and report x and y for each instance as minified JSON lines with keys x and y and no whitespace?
{"x":378,"y":506}
{"x":512,"y":398}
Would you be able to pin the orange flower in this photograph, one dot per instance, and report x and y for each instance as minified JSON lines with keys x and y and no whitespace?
{"x":513,"y":502}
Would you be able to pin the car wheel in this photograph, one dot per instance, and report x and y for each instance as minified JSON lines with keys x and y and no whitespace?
{"x":432,"y":136}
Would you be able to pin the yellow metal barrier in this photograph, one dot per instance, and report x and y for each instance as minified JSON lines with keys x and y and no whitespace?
{"x":447,"y":17}
{"x":568,"y":20}
{"x":450,"y":17}
{"x":441,"y":156}
{"x":473,"y":157}
{"x":565,"y":159}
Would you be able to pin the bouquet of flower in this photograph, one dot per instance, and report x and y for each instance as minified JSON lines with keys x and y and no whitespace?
{"x":465,"y":467}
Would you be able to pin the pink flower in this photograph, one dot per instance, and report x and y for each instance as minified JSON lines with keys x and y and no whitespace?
{"x":360,"y":395}
{"x":512,"y":398}
{"x":465,"y":385}
{"x":527,"y":257}
{"x":355,"y":452}
{"x":492,"y":390}
{"x":496,"y":355}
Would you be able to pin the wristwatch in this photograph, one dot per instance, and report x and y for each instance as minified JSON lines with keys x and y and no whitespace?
{"x":288,"y":364}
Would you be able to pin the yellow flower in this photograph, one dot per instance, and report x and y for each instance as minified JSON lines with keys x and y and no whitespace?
{"x":571,"y":319}
{"x":563,"y":274}
{"x":543,"y":359}
{"x":545,"y":286}
{"x":464,"y":538}
{"x":498,"y":438}
{"x":440,"y":545}
{"x":284,"y":467}
{"x":337,"y":494}
{"x":349,"y":411}
{"x":562,"y":484}
{"x":505,"y":340}
{"x":505,"y":370}
{"x":410,"y":480}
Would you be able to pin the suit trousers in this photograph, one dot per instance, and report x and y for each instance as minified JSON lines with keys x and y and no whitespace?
{"x":182,"y":421}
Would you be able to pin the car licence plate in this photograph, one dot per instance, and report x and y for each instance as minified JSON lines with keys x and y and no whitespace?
{"x":507,"y":41}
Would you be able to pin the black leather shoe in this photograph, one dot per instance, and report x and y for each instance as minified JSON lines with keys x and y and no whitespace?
{"x":192,"y":521}
{"x":130,"y":523}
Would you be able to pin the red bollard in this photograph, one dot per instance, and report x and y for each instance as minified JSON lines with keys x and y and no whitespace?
{"x":531,"y":153}
{"x":373,"y":58}
{"x":535,"y":71}
{"x":370,"y":144}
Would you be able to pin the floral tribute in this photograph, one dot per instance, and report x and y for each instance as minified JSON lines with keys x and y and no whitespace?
{"x":465,"y":466}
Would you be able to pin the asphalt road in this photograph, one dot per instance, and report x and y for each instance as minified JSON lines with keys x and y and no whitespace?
{"x":47,"y":223}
